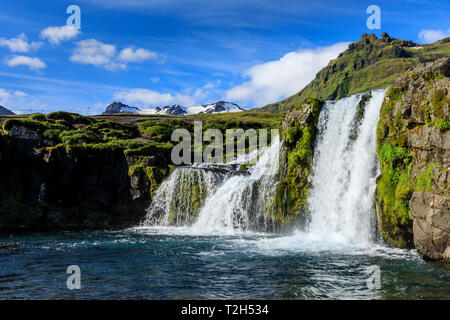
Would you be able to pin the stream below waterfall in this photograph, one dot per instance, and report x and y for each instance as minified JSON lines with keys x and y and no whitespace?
{"x":216,"y":245}
{"x":173,"y":263}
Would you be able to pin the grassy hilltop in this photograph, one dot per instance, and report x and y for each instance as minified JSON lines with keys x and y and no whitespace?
{"x":370,"y":63}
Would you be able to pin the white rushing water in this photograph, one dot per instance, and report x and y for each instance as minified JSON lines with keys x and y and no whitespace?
{"x":173,"y":202}
{"x":243,"y":199}
{"x":218,"y":199}
{"x":345,"y":167}
{"x":341,"y":201}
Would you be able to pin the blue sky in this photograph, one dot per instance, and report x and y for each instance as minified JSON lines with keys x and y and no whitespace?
{"x":153,"y":53}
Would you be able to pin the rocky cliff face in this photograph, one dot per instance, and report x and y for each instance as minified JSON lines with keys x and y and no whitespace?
{"x":413,"y":145}
{"x":46,"y":188}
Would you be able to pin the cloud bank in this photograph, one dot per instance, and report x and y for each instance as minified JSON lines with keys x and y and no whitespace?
{"x":275,"y":80}
{"x":19,"y":102}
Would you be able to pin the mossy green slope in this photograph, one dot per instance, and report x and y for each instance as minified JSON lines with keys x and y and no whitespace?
{"x":370,"y":63}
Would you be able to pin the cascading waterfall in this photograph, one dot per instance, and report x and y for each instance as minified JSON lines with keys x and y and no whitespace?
{"x":180,"y":197}
{"x":242,"y":202}
{"x":218,"y":198}
{"x":345,"y":167}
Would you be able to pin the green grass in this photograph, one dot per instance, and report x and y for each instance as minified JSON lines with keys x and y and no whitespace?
{"x":145,"y":136}
{"x":425,"y":178}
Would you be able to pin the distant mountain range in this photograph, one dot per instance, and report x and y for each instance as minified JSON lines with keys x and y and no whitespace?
{"x":5,"y":112}
{"x":176,"y":109}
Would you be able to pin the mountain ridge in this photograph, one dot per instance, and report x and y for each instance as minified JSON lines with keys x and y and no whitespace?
{"x":369,"y":63}
{"x":176,"y":109}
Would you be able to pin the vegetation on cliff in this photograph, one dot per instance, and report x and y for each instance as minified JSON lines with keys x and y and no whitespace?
{"x":299,"y":136}
{"x":412,"y":146}
{"x":144,"y":135}
{"x":64,"y":171}
{"x":370,"y":63}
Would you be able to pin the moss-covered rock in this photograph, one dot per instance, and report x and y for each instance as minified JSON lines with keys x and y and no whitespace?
{"x":413,"y":146}
{"x":300,"y":129}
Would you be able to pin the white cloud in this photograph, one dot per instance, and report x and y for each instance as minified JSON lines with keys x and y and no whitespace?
{"x":55,"y":35}
{"x":96,"y":53}
{"x":136,"y":55}
{"x":105,"y":55}
{"x":19,"y":44}
{"x":430,"y":36}
{"x":32,"y":63}
{"x":150,"y":98}
{"x":270,"y":82}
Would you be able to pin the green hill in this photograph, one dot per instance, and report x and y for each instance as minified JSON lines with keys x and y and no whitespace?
{"x":370,"y":63}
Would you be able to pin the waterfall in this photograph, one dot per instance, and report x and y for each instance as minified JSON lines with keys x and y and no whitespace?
{"x":221,"y":199}
{"x":345,"y":167}
{"x":179,"y":198}
{"x":218,"y":198}
{"x":243,"y":202}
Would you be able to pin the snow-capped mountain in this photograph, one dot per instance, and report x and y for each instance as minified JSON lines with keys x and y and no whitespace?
{"x":118,"y":107}
{"x":5,"y":112}
{"x":218,"y":107}
{"x":176,"y":109}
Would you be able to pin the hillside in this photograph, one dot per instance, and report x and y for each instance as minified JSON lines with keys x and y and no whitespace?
{"x":370,"y":63}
